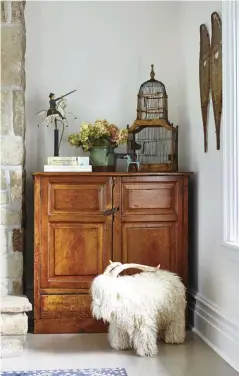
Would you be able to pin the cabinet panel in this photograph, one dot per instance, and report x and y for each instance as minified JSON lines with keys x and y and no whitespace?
{"x":154,"y":198}
{"x":82,"y":199}
{"x":74,"y":253}
{"x":65,"y":306}
{"x":150,"y":244}
{"x":76,"y":249}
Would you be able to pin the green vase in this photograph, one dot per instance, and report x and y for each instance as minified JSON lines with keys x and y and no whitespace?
{"x":103,"y":158}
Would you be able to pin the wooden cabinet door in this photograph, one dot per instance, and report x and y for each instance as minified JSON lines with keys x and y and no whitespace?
{"x":150,"y":222}
{"x":76,"y":245}
{"x":150,"y":243}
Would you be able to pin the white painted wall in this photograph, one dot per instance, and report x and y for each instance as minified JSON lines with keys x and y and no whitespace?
{"x":215,"y":272}
{"x":102,"y":49}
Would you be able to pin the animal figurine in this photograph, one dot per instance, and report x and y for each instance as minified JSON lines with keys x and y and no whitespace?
{"x":140,"y":308}
{"x":129,"y":162}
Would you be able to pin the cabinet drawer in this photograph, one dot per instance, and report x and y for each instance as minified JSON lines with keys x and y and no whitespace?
{"x":65,"y":306}
{"x":154,"y":198}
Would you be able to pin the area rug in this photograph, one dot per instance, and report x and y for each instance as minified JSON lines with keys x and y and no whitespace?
{"x":70,"y":372}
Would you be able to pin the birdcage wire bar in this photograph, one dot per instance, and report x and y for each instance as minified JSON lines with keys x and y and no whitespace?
{"x":155,"y":145}
{"x":156,"y":148}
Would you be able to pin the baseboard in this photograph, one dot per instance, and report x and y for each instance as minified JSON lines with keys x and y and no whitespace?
{"x":215,"y":329}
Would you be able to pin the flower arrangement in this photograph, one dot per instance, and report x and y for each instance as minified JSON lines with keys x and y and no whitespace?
{"x":100,"y":133}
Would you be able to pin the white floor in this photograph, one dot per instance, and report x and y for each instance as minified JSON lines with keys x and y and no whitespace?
{"x":193,"y":358}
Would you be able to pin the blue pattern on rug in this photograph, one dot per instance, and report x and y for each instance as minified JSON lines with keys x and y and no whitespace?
{"x":70,"y":372}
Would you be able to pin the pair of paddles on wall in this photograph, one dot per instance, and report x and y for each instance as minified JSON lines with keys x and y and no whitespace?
{"x":210,"y":75}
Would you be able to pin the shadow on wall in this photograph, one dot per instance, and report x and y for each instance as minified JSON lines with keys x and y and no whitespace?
{"x":29,"y":258}
{"x":34,"y":150}
{"x":193,"y":233}
{"x":186,"y":151}
{"x":192,"y":242}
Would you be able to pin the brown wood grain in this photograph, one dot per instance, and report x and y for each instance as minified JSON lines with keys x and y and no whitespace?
{"x":149,"y":198}
{"x":76,"y":249}
{"x":149,"y":243}
{"x":216,"y":72}
{"x":158,"y":167}
{"x":66,"y":306}
{"x":61,"y":326}
{"x":117,"y":223}
{"x":81,"y":199}
{"x":152,"y":123}
{"x":63,"y":176}
{"x":37,"y":244}
{"x":184,"y":249}
{"x":204,"y":79}
{"x":74,"y":239}
{"x":152,"y":224}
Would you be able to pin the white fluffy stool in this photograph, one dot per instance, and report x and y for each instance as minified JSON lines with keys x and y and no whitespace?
{"x":140,"y":308}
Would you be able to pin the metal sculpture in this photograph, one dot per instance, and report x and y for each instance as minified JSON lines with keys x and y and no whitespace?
{"x":56,"y":114}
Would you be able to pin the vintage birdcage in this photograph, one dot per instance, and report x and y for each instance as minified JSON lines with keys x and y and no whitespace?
{"x":152,"y":139}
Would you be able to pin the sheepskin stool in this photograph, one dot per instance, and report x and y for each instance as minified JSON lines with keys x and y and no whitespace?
{"x":140,"y":308}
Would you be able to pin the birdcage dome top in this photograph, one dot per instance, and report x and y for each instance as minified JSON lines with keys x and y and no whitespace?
{"x":152,"y":100}
{"x":153,"y":85}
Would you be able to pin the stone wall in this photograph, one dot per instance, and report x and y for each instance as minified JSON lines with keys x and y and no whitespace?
{"x":13,"y":41}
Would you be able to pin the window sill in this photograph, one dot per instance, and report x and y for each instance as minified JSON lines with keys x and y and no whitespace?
{"x":231,"y":251}
{"x":231,"y":245}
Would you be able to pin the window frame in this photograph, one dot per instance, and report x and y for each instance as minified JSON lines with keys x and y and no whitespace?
{"x":230,"y":122}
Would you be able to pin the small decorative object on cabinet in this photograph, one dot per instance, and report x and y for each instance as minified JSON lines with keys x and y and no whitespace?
{"x":83,"y":220}
{"x":216,"y":72}
{"x":100,"y":139}
{"x":131,"y":163}
{"x":152,"y":138}
{"x":204,"y":78}
{"x":56,"y":114}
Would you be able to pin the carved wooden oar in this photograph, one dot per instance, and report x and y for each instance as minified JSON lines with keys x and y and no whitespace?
{"x":216,"y":72}
{"x":204,"y":78}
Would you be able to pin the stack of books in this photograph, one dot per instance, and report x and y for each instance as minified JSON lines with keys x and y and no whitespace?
{"x":68,"y":164}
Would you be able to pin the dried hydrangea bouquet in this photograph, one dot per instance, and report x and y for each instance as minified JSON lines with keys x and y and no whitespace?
{"x":100,"y":139}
